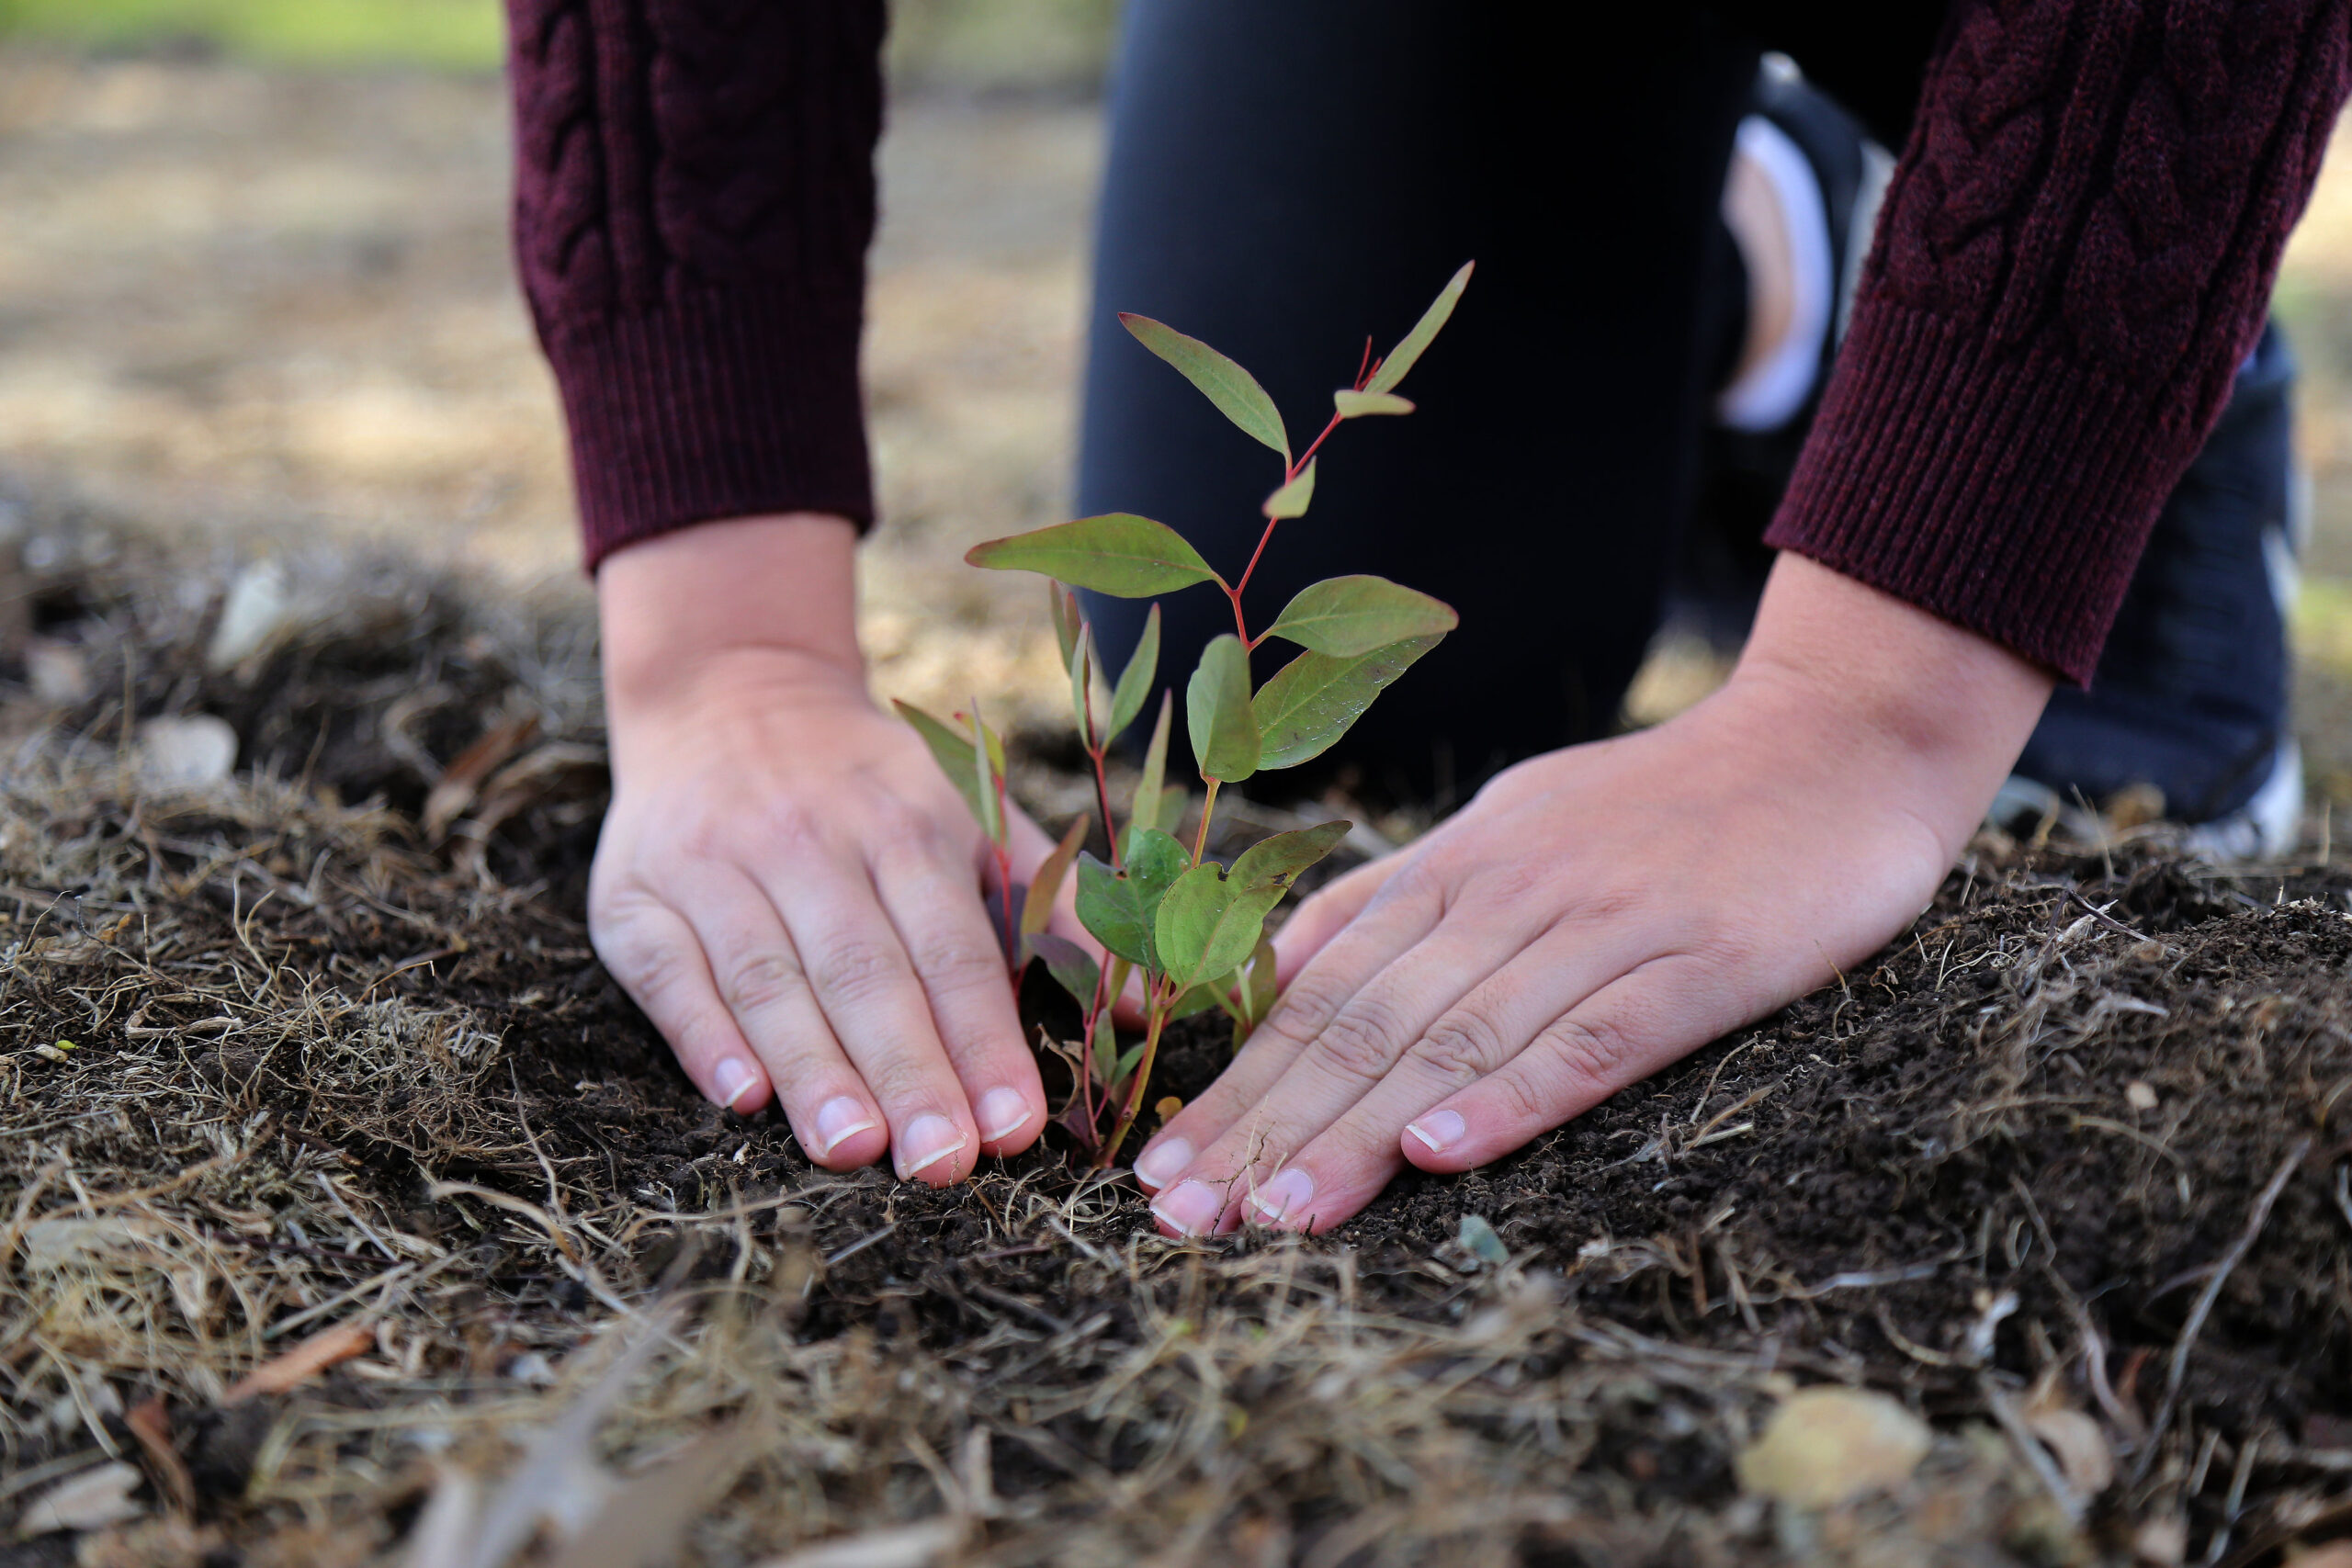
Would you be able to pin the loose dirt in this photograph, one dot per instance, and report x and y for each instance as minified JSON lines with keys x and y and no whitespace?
{"x":2063,"y":1171}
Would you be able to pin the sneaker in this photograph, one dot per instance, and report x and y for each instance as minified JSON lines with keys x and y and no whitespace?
{"x":2186,"y":717}
{"x":1831,"y":178}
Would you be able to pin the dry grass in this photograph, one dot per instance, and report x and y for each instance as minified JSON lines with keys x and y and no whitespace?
{"x":296,"y":1097}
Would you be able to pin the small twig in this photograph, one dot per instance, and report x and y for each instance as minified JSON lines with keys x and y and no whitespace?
{"x":2177,"y":1372}
{"x":2235,"y":1505}
{"x":2070,"y":1502}
{"x":854,"y":1248}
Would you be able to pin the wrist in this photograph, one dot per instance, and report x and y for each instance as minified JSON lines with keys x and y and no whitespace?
{"x":1910,"y":701}
{"x":678,"y":606}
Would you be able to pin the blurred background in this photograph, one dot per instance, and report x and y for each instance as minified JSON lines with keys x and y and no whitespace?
{"x":254,"y":288}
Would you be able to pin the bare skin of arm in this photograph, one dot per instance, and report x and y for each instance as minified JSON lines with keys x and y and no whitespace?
{"x":786,"y":882}
{"x":791,"y":889}
{"x":1598,"y":912}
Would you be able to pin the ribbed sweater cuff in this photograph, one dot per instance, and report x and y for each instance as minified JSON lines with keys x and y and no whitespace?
{"x":2010,"y":492}
{"x":711,"y":405}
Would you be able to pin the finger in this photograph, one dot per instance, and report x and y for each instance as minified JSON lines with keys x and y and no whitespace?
{"x":1324,"y":915}
{"x":1251,"y":1164}
{"x":759,"y":978}
{"x":1387,"y":930}
{"x":1346,"y":1164}
{"x":866,"y":986}
{"x":655,"y":956}
{"x":932,"y":906}
{"x":1351,"y":1159}
{"x":1655,"y":1013}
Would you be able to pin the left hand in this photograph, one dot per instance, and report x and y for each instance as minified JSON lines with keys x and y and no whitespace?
{"x":1599,"y":912}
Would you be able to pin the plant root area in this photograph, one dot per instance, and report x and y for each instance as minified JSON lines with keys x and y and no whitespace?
{"x":340,"y":1185}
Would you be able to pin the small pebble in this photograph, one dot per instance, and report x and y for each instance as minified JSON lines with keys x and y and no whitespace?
{"x":2140,"y":1095}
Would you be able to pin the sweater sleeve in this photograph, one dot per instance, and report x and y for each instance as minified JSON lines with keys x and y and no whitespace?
{"x":693,"y":197}
{"x":2075,"y":255}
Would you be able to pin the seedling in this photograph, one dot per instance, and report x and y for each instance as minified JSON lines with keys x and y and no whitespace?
{"x":1194,"y":931}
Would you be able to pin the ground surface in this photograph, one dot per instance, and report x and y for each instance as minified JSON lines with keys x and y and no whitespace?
{"x":320,"y":1049}
{"x":283,"y":1060}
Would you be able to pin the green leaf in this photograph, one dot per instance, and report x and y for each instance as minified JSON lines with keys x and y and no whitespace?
{"x":1356,"y":405}
{"x":1107,"y":906}
{"x":1090,"y":695}
{"x":1291,"y":498}
{"x":1127,"y":1060}
{"x":1149,"y":796}
{"x":1217,"y":709}
{"x":1072,"y":967}
{"x":988,"y":775}
{"x":1402,"y":357}
{"x":1118,"y":553}
{"x":1135,"y":681}
{"x":1067,"y":619}
{"x":1154,"y":862}
{"x":952,"y":751}
{"x":1200,"y":999}
{"x":1260,"y":995}
{"x":1234,"y":390}
{"x":1208,"y":924}
{"x":1278,"y":860}
{"x":1312,"y":700}
{"x":1347,"y":615}
{"x":1047,"y":884}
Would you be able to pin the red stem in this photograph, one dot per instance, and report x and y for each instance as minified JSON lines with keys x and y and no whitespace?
{"x":1103,"y":801}
{"x":1292,"y":472}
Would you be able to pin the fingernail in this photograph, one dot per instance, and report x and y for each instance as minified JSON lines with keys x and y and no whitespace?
{"x":1285,"y":1197}
{"x":1160,"y":1163}
{"x":927,"y":1140}
{"x":840,"y":1119}
{"x":1191,"y":1209}
{"x":1441,"y":1130}
{"x":1003,"y":1113}
{"x":734,"y":1081}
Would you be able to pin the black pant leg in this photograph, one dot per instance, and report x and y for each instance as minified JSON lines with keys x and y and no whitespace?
{"x":1283,"y":179}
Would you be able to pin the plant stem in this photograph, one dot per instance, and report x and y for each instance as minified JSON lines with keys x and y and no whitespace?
{"x":1094,"y":1016}
{"x":1201,"y":838}
{"x":1103,"y":801}
{"x":1134,"y":1106}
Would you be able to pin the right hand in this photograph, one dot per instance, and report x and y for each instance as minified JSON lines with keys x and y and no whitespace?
{"x":787,"y":883}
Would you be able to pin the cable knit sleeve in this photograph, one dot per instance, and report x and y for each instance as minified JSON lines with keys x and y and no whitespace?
{"x":694,"y":197}
{"x":2073,"y":257}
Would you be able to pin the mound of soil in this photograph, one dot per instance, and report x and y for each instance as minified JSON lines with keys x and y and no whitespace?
{"x":322,"y":1047}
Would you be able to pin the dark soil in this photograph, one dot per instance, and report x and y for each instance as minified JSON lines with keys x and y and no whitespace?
{"x":2015,"y":1147}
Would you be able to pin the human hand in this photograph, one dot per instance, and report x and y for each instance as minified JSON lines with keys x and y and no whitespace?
{"x":1596,"y":913}
{"x":786,"y":882}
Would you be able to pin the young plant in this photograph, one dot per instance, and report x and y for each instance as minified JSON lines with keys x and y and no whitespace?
{"x":1194,"y":930}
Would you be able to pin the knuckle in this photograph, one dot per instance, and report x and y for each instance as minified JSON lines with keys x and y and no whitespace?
{"x":1596,"y":1049}
{"x":1522,"y":1100}
{"x":763,"y":981}
{"x":790,"y":829}
{"x":955,"y":964}
{"x":1459,"y":1047}
{"x":900,"y":821}
{"x":1308,"y":1003}
{"x":856,"y":969}
{"x":1363,"y":1042}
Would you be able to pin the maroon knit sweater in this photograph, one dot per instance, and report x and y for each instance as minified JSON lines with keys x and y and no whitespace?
{"x":2073,"y":259}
